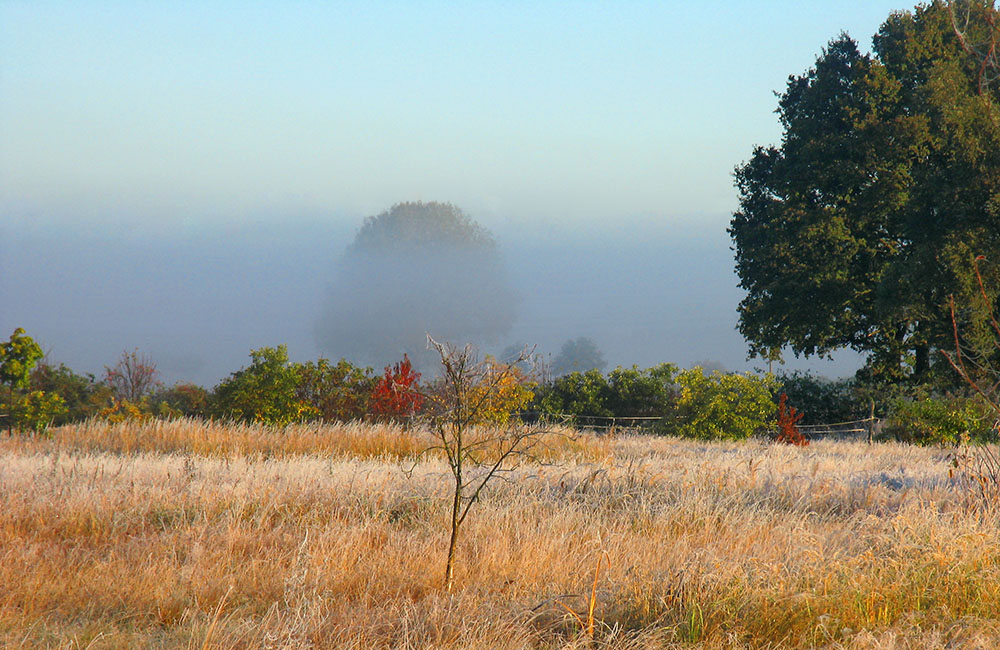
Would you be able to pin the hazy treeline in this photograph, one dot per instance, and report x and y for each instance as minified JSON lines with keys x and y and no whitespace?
{"x":662,"y":399}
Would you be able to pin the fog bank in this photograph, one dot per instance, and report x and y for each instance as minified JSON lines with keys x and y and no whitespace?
{"x":198,"y":300}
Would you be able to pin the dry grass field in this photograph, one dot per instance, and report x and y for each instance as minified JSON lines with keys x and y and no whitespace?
{"x":187,"y":535}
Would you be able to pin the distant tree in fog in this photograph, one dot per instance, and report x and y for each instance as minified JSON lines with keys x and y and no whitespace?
{"x":415,"y":269}
{"x":578,"y":355}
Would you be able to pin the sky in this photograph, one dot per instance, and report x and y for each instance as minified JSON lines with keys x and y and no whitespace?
{"x":182,"y":177}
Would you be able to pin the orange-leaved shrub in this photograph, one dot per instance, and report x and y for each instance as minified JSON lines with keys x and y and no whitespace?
{"x":788,"y":418}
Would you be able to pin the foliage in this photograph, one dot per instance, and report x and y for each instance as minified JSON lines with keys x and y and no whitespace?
{"x":823,"y":401}
{"x":182,"y":400}
{"x":423,"y":225}
{"x":414,"y":268}
{"x":578,"y":355}
{"x":503,"y":390}
{"x":338,"y":393}
{"x":788,"y":418}
{"x":83,"y":396}
{"x":624,"y":393}
{"x":945,"y":420}
{"x":397,"y":393}
{"x":723,"y":406}
{"x":578,"y":394}
{"x":133,"y":378}
{"x":855,"y":230}
{"x":18,"y":356}
{"x":35,"y":410}
{"x":642,"y":393}
{"x":266,"y":391}
{"x":976,"y":357}
{"x":122,"y":410}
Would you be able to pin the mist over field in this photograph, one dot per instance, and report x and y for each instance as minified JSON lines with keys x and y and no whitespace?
{"x":185,"y":179}
{"x":198,"y":299}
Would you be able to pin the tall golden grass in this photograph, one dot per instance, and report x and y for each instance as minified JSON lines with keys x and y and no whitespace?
{"x":389,"y":441}
{"x":166,"y":535}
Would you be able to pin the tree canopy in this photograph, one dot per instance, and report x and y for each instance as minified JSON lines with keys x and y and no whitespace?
{"x":415,"y":269}
{"x":21,"y":407}
{"x":417,"y":225}
{"x":855,"y":230}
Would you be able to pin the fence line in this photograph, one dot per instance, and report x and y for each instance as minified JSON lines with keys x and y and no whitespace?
{"x":589,"y":421}
{"x":864,"y":425}
{"x":835,"y":424}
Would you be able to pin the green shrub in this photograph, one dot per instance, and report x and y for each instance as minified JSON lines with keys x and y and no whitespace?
{"x":181,"y":400}
{"x":723,"y":406}
{"x":940,"y":421}
{"x":642,"y":393}
{"x":340,"y":392}
{"x":578,"y":394}
{"x":19,"y":409}
{"x":35,"y":411}
{"x":822,"y":400}
{"x":623,"y":393}
{"x":264,"y":392}
{"x":18,"y":356}
{"x":83,"y":395}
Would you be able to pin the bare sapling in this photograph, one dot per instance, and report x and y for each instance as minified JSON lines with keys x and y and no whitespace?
{"x":134,"y":376}
{"x":468,"y":411}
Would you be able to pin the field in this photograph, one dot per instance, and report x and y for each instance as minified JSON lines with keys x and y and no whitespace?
{"x":187,"y":535}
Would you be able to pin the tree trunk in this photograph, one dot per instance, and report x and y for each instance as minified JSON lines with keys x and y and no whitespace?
{"x":456,"y":508}
{"x":10,"y":412}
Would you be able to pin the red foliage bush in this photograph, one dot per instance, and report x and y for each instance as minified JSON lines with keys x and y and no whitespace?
{"x":397,"y":393}
{"x":788,"y":417}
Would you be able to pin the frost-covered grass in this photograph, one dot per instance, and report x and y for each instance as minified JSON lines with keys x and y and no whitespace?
{"x":124,"y":536}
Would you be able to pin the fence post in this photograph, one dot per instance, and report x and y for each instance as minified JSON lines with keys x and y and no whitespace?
{"x":871,"y":422}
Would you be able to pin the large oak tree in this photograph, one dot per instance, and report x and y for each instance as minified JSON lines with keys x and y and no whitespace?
{"x":855,"y":230}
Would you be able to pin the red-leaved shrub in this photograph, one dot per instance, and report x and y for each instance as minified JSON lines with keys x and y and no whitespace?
{"x":397,"y":393}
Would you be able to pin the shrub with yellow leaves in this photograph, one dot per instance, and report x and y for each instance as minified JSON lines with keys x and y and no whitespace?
{"x":501,"y":391}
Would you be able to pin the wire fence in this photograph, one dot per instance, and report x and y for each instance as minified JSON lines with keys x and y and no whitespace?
{"x":606,"y":423}
{"x":869,"y":427}
{"x":865,"y":427}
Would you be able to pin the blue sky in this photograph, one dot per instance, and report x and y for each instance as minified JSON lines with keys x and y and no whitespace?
{"x":571,"y":112}
{"x":177,"y":155}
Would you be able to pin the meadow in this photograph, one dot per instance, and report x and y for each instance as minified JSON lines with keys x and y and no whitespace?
{"x":187,"y":534}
